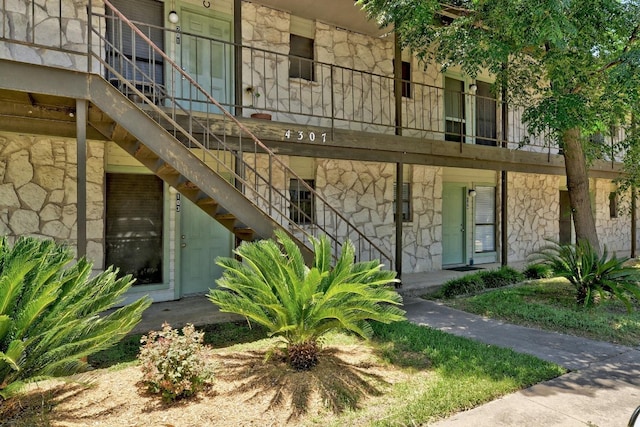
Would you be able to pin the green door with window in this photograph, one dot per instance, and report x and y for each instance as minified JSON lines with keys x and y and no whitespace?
{"x":453,"y":223}
{"x":202,"y":239}
{"x":206,"y":57}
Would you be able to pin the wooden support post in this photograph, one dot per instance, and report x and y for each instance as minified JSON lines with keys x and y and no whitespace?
{"x":634,"y":223}
{"x":398,"y":196}
{"x":504,"y":181}
{"x":81,"y":140}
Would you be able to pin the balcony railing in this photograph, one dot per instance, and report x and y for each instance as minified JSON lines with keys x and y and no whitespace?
{"x":328,"y":95}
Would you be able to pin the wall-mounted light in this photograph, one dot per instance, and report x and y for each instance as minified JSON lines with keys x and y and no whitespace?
{"x":173,"y":17}
{"x":473,"y":88}
{"x":471,"y":192}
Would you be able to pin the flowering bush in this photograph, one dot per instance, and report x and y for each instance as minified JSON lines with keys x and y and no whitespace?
{"x":172,"y":364}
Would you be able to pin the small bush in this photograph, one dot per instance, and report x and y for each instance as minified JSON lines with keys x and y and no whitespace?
{"x":462,"y":285}
{"x":538,"y":271}
{"x":173,"y":365}
{"x":477,"y":282}
{"x":504,"y":276}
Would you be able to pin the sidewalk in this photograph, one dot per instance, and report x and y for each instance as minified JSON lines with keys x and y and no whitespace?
{"x":602,"y":389}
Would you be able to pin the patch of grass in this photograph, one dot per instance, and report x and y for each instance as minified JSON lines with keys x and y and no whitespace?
{"x":550,"y":304}
{"x":476,"y":282}
{"x":433,"y":375}
{"x":215,"y":335}
{"x":451,"y":374}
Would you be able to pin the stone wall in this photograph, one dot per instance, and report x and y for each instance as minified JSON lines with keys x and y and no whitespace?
{"x":533,"y":209}
{"x":47,"y":27}
{"x":422,"y":238}
{"x":38,"y":183}
{"x":364,"y":193}
{"x":615,"y":233}
{"x":364,"y":95}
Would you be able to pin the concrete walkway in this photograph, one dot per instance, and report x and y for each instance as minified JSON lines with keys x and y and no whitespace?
{"x":602,"y":388}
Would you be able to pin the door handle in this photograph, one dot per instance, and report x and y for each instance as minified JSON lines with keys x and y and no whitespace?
{"x":183,"y":245}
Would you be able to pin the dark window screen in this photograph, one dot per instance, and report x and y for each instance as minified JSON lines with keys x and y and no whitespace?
{"x":301,"y":59}
{"x":134,"y":226}
{"x":486,"y":110}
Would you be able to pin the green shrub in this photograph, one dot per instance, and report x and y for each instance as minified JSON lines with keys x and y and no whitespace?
{"x":174,"y":365}
{"x":501,"y":277}
{"x":274,"y":288}
{"x":590,"y":273}
{"x":538,"y":271}
{"x":51,"y":317}
{"x":476,"y":282}
{"x":466,"y":284}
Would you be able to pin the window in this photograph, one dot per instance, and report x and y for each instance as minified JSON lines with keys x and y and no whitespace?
{"x":485,"y":115}
{"x":139,"y":63}
{"x":485,"y":219}
{"x":455,"y":126}
{"x":301,"y":58}
{"x":406,"y":202}
{"x":405,"y":78}
{"x":134,"y":225}
{"x":613,"y":205}
{"x":301,"y":209}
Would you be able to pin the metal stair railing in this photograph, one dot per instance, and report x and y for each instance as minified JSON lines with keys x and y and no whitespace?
{"x":239,"y":156}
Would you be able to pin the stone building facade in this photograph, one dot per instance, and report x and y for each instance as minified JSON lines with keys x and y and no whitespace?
{"x":38,"y":173}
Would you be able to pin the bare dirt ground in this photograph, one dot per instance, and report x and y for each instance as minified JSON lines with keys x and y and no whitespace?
{"x":246,"y":391}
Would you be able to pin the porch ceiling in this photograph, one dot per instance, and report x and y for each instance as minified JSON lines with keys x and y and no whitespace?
{"x":342,"y":13}
{"x":37,"y":113}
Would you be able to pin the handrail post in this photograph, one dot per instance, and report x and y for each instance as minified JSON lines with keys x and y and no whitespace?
{"x":397,"y":83}
{"x":237,"y":40}
{"x":333,"y":102}
{"x":89,"y":35}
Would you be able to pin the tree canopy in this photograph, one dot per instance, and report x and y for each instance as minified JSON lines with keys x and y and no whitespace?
{"x":574,"y":66}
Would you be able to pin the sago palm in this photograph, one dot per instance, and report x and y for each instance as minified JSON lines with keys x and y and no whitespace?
{"x":50,"y":316}
{"x":273,"y":287}
{"x":590,"y":273}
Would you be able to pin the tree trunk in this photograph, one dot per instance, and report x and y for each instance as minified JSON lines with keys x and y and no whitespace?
{"x":578,"y":186}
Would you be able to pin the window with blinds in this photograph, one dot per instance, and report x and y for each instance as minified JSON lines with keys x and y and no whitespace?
{"x":406,"y":202}
{"x":301,"y":209}
{"x":126,"y":52}
{"x":485,"y":219}
{"x":454,"y":110}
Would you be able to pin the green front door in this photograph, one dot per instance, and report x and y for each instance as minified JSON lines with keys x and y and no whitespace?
{"x":453,"y":223}
{"x":202,"y":239}
{"x":207,"y":59}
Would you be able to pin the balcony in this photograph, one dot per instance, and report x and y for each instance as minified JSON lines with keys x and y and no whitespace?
{"x":310,"y":102}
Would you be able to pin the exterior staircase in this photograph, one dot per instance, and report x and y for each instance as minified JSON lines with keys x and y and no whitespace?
{"x":229,"y":172}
